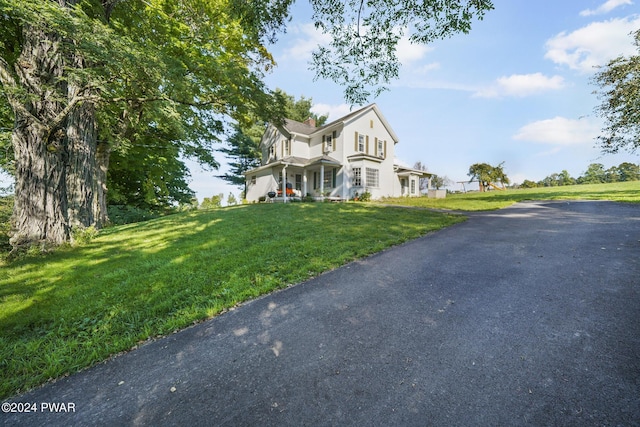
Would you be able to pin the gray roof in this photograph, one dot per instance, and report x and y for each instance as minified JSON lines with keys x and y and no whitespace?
{"x":293,"y":126}
{"x":297,"y":127}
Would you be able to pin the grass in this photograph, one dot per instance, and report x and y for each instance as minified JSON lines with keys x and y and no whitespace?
{"x":621,"y":192}
{"x":67,"y":310}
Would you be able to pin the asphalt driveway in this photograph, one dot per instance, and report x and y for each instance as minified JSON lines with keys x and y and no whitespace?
{"x":525,"y":316}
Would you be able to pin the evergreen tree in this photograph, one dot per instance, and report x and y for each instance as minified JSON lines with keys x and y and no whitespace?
{"x":300,"y":110}
{"x":243,"y":146}
{"x":244,"y":154}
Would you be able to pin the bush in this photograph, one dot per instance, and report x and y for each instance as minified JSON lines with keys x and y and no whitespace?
{"x":125,"y":214}
{"x":366,"y":196}
{"x":6,"y":209}
{"x":82,"y":235}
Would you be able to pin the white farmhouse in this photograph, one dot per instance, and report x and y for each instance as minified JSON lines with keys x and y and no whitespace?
{"x":339,"y":160}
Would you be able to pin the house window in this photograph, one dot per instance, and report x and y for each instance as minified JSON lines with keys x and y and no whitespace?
{"x":287,"y":147}
{"x":373,"y":178}
{"x":328,"y":143}
{"x":272,"y":150}
{"x":380,"y":148}
{"x":357,"y":177}
{"x":298,"y":181}
{"x":253,"y":180}
{"x":413,"y":186}
{"x":361,"y":143}
{"x":329,"y":178}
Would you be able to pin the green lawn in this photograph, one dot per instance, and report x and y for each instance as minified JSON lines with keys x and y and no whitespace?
{"x":622,"y":192}
{"x":72,"y":308}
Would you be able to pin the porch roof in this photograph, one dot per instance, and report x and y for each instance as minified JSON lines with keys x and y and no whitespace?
{"x":297,"y":162}
{"x":405,"y":171}
{"x":324,"y":159}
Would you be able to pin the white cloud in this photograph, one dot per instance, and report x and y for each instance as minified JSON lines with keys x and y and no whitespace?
{"x":606,"y":7}
{"x":521,"y":85}
{"x":408,"y":52}
{"x":334,"y":111}
{"x":560,"y":131}
{"x":593,"y":45}
{"x":308,"y":38}
{"x":427,"y":68}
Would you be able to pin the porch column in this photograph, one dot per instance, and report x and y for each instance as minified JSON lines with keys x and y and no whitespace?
{"x":284,"y":183}
{"x":304,"y":183}
{"x":322,"y":179}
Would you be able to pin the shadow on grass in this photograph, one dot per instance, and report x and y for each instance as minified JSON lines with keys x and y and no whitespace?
{"x":77,"y":306}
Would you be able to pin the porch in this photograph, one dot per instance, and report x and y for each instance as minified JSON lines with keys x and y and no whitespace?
{"x":296,"y":199}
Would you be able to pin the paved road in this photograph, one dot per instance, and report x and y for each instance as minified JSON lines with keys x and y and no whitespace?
{"x":525,"y":316}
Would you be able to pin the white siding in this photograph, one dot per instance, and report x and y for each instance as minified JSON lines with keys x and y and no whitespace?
{"x":265,"y":182}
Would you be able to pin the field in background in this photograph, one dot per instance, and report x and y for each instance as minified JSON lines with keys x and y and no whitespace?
{"x":496,"y":199}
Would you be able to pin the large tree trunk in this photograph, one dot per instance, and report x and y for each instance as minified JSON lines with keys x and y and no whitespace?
{"x":40,"y":209}
{"x":58,"y":184}
{"x":102,"y":166}
{"x":85,"y":191}
{"x":81,"y":147}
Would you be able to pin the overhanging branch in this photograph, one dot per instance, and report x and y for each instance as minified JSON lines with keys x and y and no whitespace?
{"x":9,"y":82}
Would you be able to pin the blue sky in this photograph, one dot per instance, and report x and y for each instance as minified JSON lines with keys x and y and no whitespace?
{"x":515,"y":89}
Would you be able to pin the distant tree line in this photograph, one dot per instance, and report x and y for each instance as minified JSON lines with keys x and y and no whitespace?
{"x":595,"y":174}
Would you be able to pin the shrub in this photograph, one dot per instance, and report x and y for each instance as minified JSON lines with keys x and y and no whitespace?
{"x":365,"y":197}
{"x":125,"y":214}
{"x":82,"y":235}
{"x":6,"y":209}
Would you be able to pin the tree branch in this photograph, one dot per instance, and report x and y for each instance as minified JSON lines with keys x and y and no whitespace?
{"x":62,"y":115}
{"x":8,"y":81}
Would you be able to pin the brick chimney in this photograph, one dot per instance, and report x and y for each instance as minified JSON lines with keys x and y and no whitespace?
{"x":310,"y":122}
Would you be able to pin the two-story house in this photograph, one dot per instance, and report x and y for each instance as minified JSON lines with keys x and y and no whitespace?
{"x":339,"y":160}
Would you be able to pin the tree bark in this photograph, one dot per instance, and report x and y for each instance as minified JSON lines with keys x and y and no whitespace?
{"x":85,"y":186}
{"x":81,"y":147}
{"x":102,"y":166}
{"x":60,"y":178}
{"x":39,"y":214}
{"x":40,"y":209}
